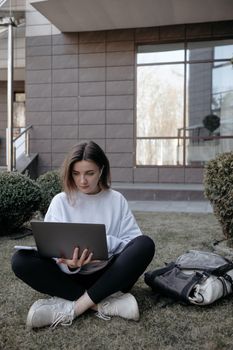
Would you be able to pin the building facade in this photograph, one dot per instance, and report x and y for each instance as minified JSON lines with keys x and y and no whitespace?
{"x":84,"y":86}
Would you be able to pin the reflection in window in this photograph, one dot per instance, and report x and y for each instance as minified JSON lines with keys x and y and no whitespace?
{"x":19,"y":113}
{"x":160,"y":53}
{"x":209,"y":50}
{"x":156,"y":152}
{"x":160,"y":100}
{"x":176,"y":124}
{"x":19,"y":109}
{"x":222,"y":98}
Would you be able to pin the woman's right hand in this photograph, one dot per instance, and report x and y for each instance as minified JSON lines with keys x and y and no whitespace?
{"x":77,"y":262}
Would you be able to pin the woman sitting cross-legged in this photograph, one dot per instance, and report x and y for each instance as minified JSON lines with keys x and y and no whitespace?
{"x":87,"y":198}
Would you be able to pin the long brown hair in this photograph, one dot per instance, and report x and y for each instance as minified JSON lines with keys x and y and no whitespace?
{"x":89,"y":151}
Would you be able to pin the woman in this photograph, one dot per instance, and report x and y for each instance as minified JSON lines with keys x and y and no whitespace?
{"x":87,"y":198}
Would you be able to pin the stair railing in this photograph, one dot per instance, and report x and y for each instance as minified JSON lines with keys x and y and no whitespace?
{"x":21,"y":144}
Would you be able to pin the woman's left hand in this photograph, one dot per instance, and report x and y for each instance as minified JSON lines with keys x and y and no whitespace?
{"x":77,"y":262}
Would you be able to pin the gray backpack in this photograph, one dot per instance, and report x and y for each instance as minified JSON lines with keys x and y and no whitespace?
{"x":196,"y":277}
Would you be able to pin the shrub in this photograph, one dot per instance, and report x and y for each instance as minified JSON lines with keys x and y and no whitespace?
{"x":50,"y":184}
{"x":218,"y":188}
{"x":19,"y":199}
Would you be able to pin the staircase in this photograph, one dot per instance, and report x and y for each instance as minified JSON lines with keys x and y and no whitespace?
{"x":23,"y":160}
{"x":28,"y":164}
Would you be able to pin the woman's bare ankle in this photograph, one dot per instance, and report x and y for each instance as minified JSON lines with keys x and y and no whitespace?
{"x":83,"y":304}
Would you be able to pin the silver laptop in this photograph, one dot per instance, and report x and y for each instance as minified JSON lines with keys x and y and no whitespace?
{"x":58,"y":239}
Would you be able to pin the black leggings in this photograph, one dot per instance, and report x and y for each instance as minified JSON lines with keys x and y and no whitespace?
{"x":45,"y":276}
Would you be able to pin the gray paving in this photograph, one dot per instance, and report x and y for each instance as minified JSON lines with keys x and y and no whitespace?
{"x":172,"y":206}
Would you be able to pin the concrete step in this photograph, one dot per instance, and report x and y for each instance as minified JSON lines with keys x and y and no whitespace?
{"x":28,"y":164}
{"x":24,"y":163}
{"x":161,"y":192}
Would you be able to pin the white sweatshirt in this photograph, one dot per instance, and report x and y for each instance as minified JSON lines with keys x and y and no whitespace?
{"x":107,"y":207}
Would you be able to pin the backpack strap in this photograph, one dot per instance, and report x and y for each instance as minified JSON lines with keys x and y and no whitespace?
{"x":227,"y":278}
{"x":222,"y":270}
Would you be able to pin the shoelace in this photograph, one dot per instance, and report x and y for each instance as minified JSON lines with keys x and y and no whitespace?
{"x":63,"y":319}
{"x":101,"y":314}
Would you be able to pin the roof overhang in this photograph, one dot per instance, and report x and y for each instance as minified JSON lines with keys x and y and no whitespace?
{"x":94,"y":15}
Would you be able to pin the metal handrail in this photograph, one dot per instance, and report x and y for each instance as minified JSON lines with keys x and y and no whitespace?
{"x":27,"y":143}
{"x":23,"y":132}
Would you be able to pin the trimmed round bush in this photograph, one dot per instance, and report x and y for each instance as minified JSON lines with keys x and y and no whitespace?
{"x":19,"y":199}
{"x":218,"y":188}
{"x":50,"y":184}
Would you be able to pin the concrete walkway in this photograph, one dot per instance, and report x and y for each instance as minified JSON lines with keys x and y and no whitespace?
{"x":172,"y":206}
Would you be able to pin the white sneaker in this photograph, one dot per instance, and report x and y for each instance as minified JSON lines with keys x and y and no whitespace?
{"x":119,"y":304}
{"x":51,"y":312}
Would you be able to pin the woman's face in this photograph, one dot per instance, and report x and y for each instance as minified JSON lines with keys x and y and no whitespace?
{"x":86,"y":176}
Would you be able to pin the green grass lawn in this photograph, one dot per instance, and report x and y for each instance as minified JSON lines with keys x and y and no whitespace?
{"x":173,"y":327}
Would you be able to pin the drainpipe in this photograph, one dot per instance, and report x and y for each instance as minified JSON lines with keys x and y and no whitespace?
{"x":10,"y":80}
{"x":9,"y":22}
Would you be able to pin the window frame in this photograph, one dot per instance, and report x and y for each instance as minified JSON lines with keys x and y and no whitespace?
{"x":186,"y":62}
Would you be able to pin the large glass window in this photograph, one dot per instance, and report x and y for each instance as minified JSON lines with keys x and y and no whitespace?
{"x":184,"y":102}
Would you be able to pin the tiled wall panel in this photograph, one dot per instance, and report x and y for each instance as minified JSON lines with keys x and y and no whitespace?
{"x":81,"y":86}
